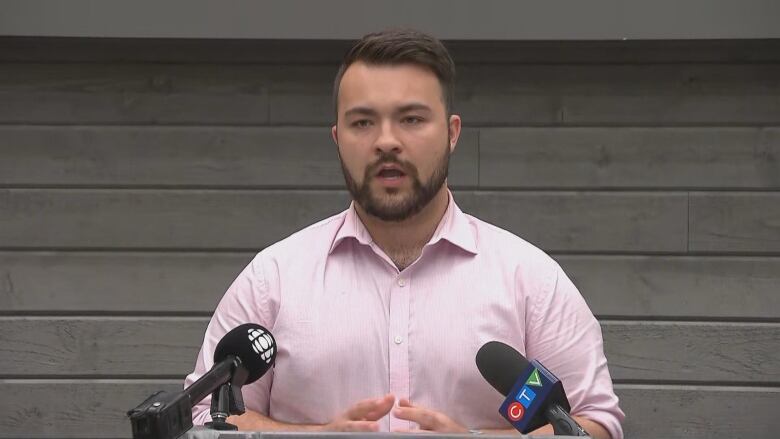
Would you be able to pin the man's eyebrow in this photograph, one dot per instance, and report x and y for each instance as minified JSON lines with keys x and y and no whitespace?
{"x":365,"y":111}
{"x":414,"y":106}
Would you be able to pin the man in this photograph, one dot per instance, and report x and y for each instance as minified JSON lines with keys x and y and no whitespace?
{"x":379,"y":311}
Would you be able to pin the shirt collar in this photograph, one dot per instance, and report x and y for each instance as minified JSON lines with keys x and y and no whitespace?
{"x":351,"y":227}
{"x":454,"y":228}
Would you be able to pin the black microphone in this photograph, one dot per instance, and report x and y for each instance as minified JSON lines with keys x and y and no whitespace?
{"x":534,"y":395}
{"x":241,"y":357}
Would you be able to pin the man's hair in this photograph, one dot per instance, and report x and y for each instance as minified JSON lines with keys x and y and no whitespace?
{"x":402,"y":46}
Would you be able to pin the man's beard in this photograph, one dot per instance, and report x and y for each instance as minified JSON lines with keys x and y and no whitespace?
{"x":392,"y":208}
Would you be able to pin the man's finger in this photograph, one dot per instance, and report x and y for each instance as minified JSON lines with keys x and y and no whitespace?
{"x":382,"y":408}
{"x":423,"y":417}
{"x":371,"y":409}
{"x":360,"y":426}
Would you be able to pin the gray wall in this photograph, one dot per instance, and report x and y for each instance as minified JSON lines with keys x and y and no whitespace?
{"x":349,"y":19}
{"x":137,"y":177}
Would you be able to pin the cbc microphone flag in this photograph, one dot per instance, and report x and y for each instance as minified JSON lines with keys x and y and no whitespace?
{"x":528,"y":397}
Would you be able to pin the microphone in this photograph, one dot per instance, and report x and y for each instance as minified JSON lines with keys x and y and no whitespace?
{"x":241,"y":357}
{"x":534,"y":395}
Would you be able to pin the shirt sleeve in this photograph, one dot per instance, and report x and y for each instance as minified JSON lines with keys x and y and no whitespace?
{"x":246,"y":301}
{"x":566,"y":338}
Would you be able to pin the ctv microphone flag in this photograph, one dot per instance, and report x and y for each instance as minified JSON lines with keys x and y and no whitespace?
{"x":534,"y":396}
{"x":527,"y":397}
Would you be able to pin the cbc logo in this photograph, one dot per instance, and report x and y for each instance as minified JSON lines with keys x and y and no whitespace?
{"x":262,"y":344}
{"x":515,"y":411}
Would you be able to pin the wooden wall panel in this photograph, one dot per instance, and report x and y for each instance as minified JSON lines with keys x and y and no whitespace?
{"x":487,"y":94}
{"x":118,"y":283}
{"x":713,"y":158}
{"x":688,"y":287}
{"x":103,"y":347}
{"x":162,"y":50}
{"x":586,"y":221}
{"x":74,"y":408}
{"x":719,"y":158}
{"x":693,"y":352}
{"x":735,"y":222}
{"x":123,"y":346}
{"x":159,"y":218}
{"x":620,"y":95}
{"x":699,"y":412}
{"x":208,"y":157}
{"x":630,"y":287}
{"x":650,"y":222}
{"x":126,"y":93}
{"x":522,"y":95}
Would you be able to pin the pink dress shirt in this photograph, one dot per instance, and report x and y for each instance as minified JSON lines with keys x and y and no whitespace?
{"x":350,"y":326}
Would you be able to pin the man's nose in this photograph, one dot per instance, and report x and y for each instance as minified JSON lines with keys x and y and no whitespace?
{"x":387,"y":141}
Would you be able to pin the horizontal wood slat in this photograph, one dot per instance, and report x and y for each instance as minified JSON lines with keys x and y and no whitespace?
{"x":545,"y":95}
{"x":116,"y":282}
{"x":693,"y":352}
{"x":630,"y":158}
{"x":677,"y":287}
{"x":142,"y":282}
{"x":694,"y":412}
{"x":159,"y":219}
{"x":735,"y":222}
{"x":614,"y":95}
{"x":134,"y":94}
{"x":96,"y":409}
{"x":586,"y":221}
{"x":487,"y":94}
{"x":33,"y":218}
{"x":117,"y":347}
{"x":188,"y":156}
{"x":98,"y":346}
{"x":74,"y":408}
{"x":74,"y":49}
{"x":719,"y":158}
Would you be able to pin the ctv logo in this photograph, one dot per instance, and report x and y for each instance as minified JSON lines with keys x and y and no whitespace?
{"x":534,"y":379}
{"x":525,"y":396}
{"x":515,"y":411}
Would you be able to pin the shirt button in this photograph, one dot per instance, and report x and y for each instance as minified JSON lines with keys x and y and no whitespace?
{"x":401,"y":282}
{"x":398,"y":339}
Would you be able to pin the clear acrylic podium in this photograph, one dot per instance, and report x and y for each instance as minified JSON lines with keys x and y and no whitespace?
{"x":200,"y":433}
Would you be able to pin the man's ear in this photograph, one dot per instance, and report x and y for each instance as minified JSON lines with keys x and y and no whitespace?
{"x":334,"y":132}
{"x":454,"y":131}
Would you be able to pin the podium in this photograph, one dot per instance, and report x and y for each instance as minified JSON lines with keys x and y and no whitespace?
{"x":202,"y":433}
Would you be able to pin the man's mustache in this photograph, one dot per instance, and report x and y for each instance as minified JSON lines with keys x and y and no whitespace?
{"x":388,"y":158}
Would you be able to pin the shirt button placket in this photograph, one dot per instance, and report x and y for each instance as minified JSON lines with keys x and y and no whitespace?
{"x":399,"y":345}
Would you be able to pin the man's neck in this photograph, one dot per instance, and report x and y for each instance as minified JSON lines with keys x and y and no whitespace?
{"x":403,"y":241}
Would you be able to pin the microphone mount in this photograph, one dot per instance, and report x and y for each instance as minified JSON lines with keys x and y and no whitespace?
{"x":166,"y":415}
{"x":227,"y":399}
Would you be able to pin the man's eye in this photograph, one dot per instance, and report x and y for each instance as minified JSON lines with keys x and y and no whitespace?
{"x":362,"y":123}
{"x":412,"y":120}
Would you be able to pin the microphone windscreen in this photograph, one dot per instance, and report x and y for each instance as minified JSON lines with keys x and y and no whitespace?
{"x":253,"y":344}
{"x":500,"y":365}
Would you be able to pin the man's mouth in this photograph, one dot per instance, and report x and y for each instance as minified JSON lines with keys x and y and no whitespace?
{"x":390,"y":172}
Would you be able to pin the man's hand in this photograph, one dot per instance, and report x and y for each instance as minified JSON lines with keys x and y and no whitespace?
{"x":362,"y":416}
{"x":428,"y":420}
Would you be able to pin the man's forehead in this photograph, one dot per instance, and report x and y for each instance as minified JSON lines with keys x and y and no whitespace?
{"x":398,"y":84}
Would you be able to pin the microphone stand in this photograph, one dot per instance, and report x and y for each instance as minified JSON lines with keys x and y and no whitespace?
{"x":227,"y":400}
{"x":168,"y":415}
{"x":563,"y":424}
